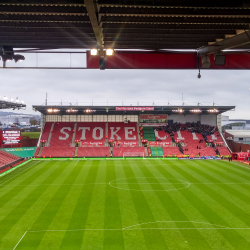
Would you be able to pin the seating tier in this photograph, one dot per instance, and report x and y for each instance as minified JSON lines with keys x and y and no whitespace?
{"x":93,"y":152}
{"x":119,"y":151}
{"x":59,"y":151}
{"x":124,"y":133}
{"x":62,"y":134}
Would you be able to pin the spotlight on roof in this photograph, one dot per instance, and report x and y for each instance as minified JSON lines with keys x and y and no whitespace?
{"x":93,"y":52}
{"x":179,"y":110}
{"x":53,"y":110}
{"x":215,"y":110}
{"x":109,"y":52}
{"x":71,"y":110}
{"x":195,"y":110}
{"x":219,"y":60}
{"x":89,"y":111}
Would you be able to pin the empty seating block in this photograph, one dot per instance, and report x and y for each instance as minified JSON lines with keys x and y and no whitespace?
{"x":62,"y":134}
{"x":119,"y":151}
{"x":93,"y":152}
{"x":46,"y":131}
{"x":7,"y":158}
{"x":59,"y":151}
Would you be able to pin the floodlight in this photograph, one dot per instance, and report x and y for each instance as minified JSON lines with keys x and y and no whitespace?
{"x":93,"y":52}
{"x":22,"y":102}
{"x":213,"y":110}
{"x":179,"y":110}
{"x":195,"y":111}
{"x":219,"y":60}
{"x":18,"y":58}
{"x":5,"y":98}
{"x":71,"y":110}
{"x":17,"y":101}
{"x":109,"y":52}
{"x":89,"y":111}
{"x":53,"y":110}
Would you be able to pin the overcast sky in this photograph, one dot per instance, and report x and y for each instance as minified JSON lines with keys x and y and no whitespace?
{"x":127,"y":86}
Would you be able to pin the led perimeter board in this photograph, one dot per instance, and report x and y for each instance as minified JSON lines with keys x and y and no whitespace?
{"x":11,"y":137}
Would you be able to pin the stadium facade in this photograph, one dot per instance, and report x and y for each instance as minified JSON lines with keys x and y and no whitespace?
{"x":74,"y":131}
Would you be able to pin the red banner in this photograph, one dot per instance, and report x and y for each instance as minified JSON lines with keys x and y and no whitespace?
{"x":134,"y":108}
{"x":89,"y":143}
{"x":158,"y":143}
{"x":153,"y":117}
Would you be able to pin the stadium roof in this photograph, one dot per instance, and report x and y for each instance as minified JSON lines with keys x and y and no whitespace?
{"x":125,"y":24}
{"x":11,"y":105}
{"x":238,"y":133}
{"x":128,"y":110}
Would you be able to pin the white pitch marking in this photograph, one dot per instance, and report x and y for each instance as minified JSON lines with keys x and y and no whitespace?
{"x":184,"y":182}
{"x":19,"y":173}
{"x":19,"y":240}
{"x":172,"y":221}
{"x":132,"y":228}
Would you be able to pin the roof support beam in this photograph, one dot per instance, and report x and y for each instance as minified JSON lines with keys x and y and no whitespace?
{"x":229,"y":43}
{"x":93,"y":12}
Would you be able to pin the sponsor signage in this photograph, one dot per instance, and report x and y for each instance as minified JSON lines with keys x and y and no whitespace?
{"x":92,"y":143}
{"x":133,"y":108}
{"x":157,"y":143}
{"x":124,"y":143}
{"x":153,"y":124}
{"x":200,"y":158}
{"x":11,"y":136}
{"x":153,"y":117}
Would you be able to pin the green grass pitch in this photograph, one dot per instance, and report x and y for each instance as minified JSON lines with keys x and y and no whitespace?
{"x":126,"y":204}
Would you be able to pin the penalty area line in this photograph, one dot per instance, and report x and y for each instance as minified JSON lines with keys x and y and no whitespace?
{"x":19,"y":240}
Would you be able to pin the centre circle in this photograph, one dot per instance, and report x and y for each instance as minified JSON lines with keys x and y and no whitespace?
{"x":149,"y":184}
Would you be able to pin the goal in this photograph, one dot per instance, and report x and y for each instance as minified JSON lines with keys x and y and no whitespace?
{"x":134,"y":154}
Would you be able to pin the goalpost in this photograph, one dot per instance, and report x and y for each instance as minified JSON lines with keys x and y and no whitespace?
{"x":134,"y":154}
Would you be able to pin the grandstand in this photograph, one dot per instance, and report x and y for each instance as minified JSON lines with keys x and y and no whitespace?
{"x":131,"y":131}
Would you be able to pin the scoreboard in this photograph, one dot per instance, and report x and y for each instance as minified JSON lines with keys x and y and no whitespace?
{"x":11,"y":137}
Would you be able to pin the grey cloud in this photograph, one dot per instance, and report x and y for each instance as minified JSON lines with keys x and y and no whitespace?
{"x":222,"y":87}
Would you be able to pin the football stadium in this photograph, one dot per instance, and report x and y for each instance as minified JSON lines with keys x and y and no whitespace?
{"x":125,"y":177}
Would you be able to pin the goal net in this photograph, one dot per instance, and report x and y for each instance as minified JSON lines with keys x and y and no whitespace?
{"x":133,"y":154}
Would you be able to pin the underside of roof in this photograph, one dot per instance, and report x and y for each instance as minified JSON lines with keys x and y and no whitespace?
{"x":123,"y":24}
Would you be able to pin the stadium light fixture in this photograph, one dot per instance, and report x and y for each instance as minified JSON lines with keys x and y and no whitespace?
{"x":53,"y":110}
{"x":213,"y":110}
{"x":93,"y":52}
{"x":195,"y":111}
{"x":71,"y":110}
{"x":7,"y":54}
{"x":109,"y":52}
{"x":89,"y":111}
{"x":179,"y":110}
{"x":219,"y":60}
